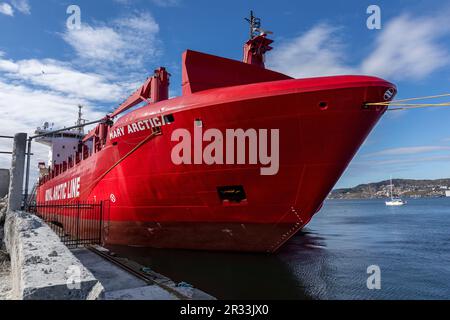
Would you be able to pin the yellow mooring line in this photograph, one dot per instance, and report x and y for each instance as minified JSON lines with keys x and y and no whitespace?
{"x":406,"y":106}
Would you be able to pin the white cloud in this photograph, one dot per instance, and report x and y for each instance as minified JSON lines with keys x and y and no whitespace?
{"x":408,"y":151}
{"x":440,"y":158}
{"x":124,"y":43}
{"x":159,"y":3}
{"x":22,"y":5}
{"x":100,"y":43}
{"x":358,"y":167}
{"x":61,"y":77}
{"x":33,"y":91}
{"x":24,"y":108}
{"x":27,"y":107}
{"x":167,"y":3}
{"x":317,"y":52}
{"x":408,"y":48}
{"x":8,"y":66}
{"x":6,"y":9}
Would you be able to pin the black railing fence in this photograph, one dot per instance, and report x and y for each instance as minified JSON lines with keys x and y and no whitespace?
{"x":76,"y":223}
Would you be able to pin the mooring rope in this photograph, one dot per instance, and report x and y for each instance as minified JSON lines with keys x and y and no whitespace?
{"x":406,"y":106}
{"x":414,"y":107}
{"x":411,"y":99}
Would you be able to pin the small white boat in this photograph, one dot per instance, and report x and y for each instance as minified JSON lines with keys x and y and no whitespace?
{"x":394,"y":201}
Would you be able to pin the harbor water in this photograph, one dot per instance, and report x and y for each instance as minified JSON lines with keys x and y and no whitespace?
{"x":330,"y":257}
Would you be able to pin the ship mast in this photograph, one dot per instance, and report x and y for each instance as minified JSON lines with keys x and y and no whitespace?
{"x":255,"y":25}
{"x":80,"y":122}
{"x":392,"y":189}
{"x":258,"y":44}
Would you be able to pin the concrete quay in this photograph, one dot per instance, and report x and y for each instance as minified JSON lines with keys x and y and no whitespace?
{"x":121,"y":285}
{"x":43,"y":268}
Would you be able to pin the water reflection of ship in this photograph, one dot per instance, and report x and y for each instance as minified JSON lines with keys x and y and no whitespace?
{"x":241,"y":276}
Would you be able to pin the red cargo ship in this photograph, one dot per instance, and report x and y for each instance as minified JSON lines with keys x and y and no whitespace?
{"x":165,"y":196}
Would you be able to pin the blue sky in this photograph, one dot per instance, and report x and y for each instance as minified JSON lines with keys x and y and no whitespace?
{"x":46,"y":69}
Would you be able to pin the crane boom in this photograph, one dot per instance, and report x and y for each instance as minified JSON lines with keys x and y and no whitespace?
{"x":155,"y":88}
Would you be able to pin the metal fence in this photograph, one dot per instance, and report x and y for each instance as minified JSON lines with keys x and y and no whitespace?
{"x":76,"y":223}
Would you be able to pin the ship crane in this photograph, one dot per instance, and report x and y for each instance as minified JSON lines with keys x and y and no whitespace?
{"x":155,"y":89}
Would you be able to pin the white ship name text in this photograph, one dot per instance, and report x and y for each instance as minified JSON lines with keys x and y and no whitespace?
{"x":66,"y":190}
{"x":138,"y":126}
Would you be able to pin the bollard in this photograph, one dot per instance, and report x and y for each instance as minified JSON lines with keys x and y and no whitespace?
{"x":17,"y":172}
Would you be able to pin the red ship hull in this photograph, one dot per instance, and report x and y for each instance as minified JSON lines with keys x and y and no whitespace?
{"x":322,"y":123}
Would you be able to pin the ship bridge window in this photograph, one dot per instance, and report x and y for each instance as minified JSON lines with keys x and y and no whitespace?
{"x":235,"y":194}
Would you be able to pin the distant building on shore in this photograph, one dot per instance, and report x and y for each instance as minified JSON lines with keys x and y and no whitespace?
{"x":447,"y":193}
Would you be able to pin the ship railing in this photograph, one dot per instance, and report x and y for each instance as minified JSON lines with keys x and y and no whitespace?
{"x":77,"y":224}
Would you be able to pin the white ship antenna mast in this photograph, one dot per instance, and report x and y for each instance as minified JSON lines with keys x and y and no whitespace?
{"x":255,"y":26}
{"x":80,"y":122}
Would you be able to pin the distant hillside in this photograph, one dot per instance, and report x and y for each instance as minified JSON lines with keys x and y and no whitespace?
{"x":402,"y":188}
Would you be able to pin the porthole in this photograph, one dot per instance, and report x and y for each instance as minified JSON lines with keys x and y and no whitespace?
{"x":323,"y":105}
